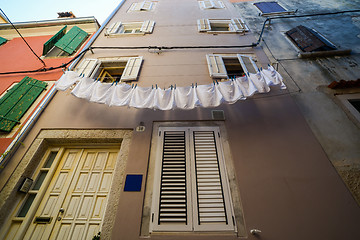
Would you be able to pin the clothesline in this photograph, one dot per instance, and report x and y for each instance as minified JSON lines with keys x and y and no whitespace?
{"x":211,"y":95}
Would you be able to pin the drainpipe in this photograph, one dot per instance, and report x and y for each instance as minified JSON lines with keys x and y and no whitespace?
{"x":34,"y":117}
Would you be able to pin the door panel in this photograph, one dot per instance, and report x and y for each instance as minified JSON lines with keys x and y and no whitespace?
{"x":73,"y":203}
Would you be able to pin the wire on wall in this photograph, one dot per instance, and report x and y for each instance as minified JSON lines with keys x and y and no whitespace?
{"x":23,"y":38}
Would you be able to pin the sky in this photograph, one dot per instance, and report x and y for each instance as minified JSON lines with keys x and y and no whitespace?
{"x":34,"y":10}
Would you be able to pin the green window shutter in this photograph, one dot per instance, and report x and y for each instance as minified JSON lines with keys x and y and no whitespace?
{"x":2,"y":41}
{"x":51,"y":42}
{"x":71,"y":41}
{"x":18,"y":100}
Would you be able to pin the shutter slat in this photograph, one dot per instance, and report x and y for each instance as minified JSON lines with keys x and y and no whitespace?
{"x":72,"y":40}
{"x":213,"y":208}
{"x":132,"y":69}
{"x":113,"y":29}
{"x":51,"y":42}
{"x":87,"y":67}
{"x":147,"y":26}
{"x":15,"y":103}
{"x":173,"y":208}
{"x":203,"y":25}
{"x":217,"y":70}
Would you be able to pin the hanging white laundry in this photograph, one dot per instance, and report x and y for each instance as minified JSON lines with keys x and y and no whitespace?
{"x":211,"y":95}
{"x":84,"y":88}
{"x":101,"y":92}
{"x":67,"y":80}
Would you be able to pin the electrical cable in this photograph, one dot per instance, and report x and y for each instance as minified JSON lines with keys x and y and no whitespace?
{"x":179,"y":47}
{"x":22,"y":37}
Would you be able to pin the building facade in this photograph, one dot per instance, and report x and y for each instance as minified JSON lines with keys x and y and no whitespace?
{"x":324,"y":77}
{"x":103,"y":161}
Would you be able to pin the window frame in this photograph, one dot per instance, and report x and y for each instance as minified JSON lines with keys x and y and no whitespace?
{"x":117,"y":29}
{"x":217,"y":67}
{"x":91,"y":67}
{"x":286,"y":12}
{"x":202,"y":4}
{"x":235,"y":25}
{"x":139,"y":6}
{"x":192,"y":225}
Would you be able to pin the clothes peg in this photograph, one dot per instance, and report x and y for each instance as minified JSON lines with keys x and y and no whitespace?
{"x":196,"y":85}
{"x":156,"y":86}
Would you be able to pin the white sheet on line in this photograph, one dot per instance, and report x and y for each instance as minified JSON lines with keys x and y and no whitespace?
{"x":189,"y":97}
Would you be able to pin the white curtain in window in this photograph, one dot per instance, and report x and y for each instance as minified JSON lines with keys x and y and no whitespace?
{"x":189,"y":97}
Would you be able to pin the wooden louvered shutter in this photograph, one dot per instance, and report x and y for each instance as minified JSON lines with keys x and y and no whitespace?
{"x":113,"y":29}
{"x":216,"y":66}
{"x":147,"y":26}
{"x":146,"y":6}
{"x":171,"y":207}
{"x":247,"y":64}
{"x":239,"y":25}
{"x":218,"y":4}
{"x":211,"y":193}
{"x":132,"y":69}
{"x":72,"y":40}
{"x":15,"y":103}
{"x":51,"y":42}
{"x":208,"y":4}
{"x":88,"y":67}
{"x":191,"y":191}
{"x":203,"y":25}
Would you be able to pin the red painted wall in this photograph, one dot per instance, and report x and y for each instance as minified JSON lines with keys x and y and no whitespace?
{"x":16,"y":56}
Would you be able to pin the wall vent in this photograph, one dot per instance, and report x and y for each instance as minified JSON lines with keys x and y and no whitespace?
{"x":217,"y":115}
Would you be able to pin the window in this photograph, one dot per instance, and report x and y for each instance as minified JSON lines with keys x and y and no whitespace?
{"x":121,"y":29}
{"x":309,"y":40}
{"x":111,"y":69}
{"x":271,"y":8}
{"x":235,"y":25}
{"x":191,"y":188}
{"x":211,"y":4}
{"x":15,"y":103}
{"x":142,"y":6}
{"x":64,"y":44}
{"x":351,"y":102}
{"x":229,"y":66}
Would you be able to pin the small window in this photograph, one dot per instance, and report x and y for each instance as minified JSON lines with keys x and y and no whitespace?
{"x":271,"y":8}
{"x":223,"y":66}
{"x":309,"y":40}
{"x":111,"y":70}
{"x":142,"y":6}
{"x":64,"y":44}
{"x":122,"y":29}
{"x":351,"y":102}
{"x":235,"y":25}
{"x":211,"y":4}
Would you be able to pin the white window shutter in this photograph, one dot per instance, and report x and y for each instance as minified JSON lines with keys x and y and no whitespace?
{"x":132,"y":69}
{"x":171,"y":205}
{"x":87,"y":67}
{"x":218,"y":4}
{"x":208,"y":4}
{"x":247,"y":63}
{"x":146,"y":6}
{"x":214,"y":208}
{"x":239,"y":25}
{"x":216,"y":66}
{"x":147,"y":26}
{"x":113,"y":29}
{"x":203,"y":25}
{"x":136,"y":6}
